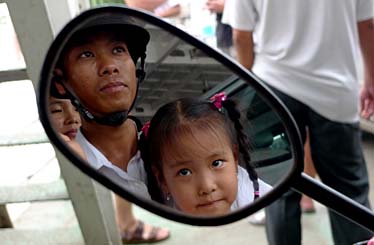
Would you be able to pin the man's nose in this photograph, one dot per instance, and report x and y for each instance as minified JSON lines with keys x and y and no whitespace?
{"x":107,"y":65}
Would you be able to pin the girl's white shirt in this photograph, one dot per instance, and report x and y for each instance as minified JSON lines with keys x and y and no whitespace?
{"x":245,"y":194}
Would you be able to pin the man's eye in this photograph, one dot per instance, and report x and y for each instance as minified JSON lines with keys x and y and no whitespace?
{"x":184,"y":172}
{"x":120,"y":49}
{"x":217,"y":163}
{"x":86,"y":54}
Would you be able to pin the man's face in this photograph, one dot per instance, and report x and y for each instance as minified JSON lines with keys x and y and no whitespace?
{"x":101,"y":72}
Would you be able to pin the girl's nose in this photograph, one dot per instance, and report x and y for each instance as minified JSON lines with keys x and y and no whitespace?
{"x":72,"y":117}
{"x":207,"y":185}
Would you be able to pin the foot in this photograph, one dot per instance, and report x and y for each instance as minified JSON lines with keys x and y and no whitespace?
{"x":258,"y":218}
{"x":307,"y":205}
{"x":144,"y":233}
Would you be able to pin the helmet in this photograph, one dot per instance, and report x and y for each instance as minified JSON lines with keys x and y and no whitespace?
{"x":135,"y":36}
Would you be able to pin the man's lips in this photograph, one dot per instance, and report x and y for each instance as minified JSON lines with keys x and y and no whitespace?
{"x":113,"y":87}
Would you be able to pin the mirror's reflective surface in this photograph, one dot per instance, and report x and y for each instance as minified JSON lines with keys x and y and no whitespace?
{"x":206,"y":156}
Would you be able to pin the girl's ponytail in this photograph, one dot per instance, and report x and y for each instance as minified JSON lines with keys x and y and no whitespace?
{"x":152,"y":183}
{"x":243,"y":141}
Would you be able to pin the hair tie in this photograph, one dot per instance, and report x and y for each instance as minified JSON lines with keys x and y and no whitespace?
{"x":256,"y":195}
{"x":217,"y":100}
{"x":145,"y":128}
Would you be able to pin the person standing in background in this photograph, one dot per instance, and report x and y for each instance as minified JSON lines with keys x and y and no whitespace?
{"x":306,"y":52}
{"x":223,"y":31}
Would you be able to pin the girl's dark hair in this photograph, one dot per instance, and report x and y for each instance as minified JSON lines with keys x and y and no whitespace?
{"x":183,"y":116}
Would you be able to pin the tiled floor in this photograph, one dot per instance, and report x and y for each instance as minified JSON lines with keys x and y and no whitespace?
{"x":38,"y":218}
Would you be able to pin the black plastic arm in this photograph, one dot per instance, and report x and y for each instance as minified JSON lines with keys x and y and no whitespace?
{"x":335,"y":201}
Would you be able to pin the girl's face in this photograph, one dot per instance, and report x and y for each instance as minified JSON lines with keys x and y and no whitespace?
{"x":200,"y":173}
{"x":65,"y":118}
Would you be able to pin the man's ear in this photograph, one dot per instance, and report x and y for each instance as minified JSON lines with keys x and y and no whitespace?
{"x":60,"y":89}
{"x":58,"y":75}
{"x":58,"y":80}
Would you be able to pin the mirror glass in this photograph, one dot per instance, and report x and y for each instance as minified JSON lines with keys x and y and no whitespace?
{"x":196,"y":167}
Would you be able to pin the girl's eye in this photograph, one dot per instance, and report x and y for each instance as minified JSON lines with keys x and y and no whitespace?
{"x":184,"y":172}
{"x":217,"y":163}
{"x":86,"y":54}
{"x":119,"y":49}
{"x":56,"y":111}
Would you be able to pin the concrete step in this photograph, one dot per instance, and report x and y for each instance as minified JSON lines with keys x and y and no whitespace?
{"x":71,"y":236}
{"x":52,"y":222}
{"x":55,"y":190}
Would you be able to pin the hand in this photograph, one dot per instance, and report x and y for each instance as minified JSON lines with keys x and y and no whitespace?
{"x":367,"y":100}
{"x":149,"y":5}
{"x":215,"y":5}
{"x":74,"y":145}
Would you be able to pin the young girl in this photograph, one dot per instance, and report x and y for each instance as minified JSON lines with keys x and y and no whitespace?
{"x":193,"y":148}
{"x":66,"y":121}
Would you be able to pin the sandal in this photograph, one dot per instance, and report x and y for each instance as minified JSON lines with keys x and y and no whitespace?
{"x":258,"y":218}
{"x":137,"y":236}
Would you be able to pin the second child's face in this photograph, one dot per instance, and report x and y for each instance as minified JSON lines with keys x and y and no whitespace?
{"x":201,"y":175}
{"x":64,"y":117}
{"x":101,"y":73}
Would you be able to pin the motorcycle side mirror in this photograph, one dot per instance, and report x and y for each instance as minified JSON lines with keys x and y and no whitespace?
{"x":175,"y":65}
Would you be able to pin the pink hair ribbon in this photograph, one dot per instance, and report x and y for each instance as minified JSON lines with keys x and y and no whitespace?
{"x":217,"y":100}
{"x":145,"y":128}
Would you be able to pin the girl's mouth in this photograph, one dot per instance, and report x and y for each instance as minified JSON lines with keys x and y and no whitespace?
{"x":71,"y":133}
{"x":209,"y":203}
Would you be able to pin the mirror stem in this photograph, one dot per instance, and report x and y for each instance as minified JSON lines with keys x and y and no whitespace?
{"x":329,"y":197}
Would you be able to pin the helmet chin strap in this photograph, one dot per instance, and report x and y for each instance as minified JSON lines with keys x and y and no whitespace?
{"x":113,"y":119}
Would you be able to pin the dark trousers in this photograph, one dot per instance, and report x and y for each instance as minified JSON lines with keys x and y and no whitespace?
{"x":338,"y":159}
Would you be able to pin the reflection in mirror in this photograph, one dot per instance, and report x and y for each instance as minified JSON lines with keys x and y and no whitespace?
{"x":66,"y":121}
{"x":200,"y":156}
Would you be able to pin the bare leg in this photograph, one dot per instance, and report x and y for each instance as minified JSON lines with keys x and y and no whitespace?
{"x":307,"y":204}
{"x":125,"y":217}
